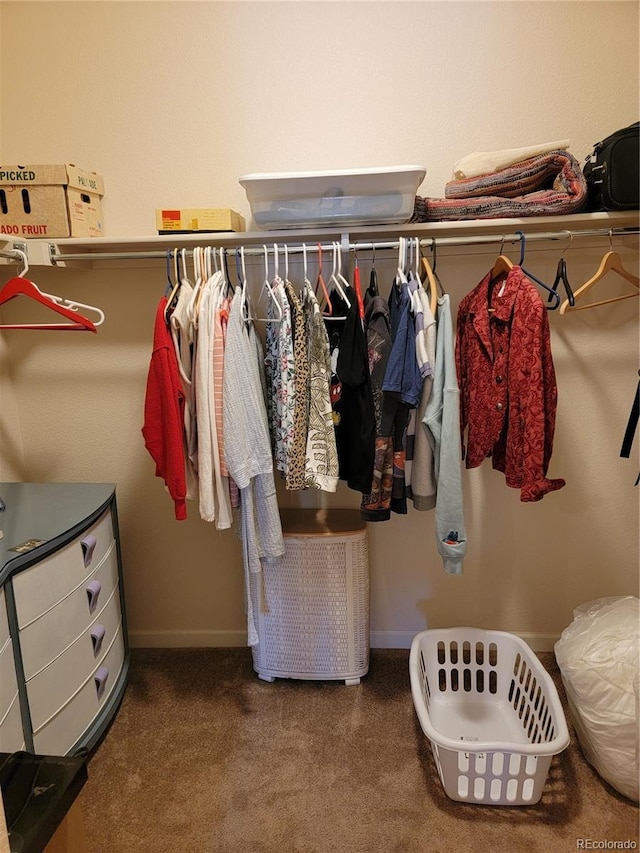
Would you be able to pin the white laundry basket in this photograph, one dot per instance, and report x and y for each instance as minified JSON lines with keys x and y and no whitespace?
{"x":311,"y":608}
{"x":491,"y":712}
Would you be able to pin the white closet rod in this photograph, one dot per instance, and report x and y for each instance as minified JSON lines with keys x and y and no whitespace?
{"x":297,"y":246}
{"x":11,"y":254}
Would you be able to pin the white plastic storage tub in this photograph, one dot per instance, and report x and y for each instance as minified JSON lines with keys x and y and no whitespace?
{"x":311,"y":608}
{"x":491,"y":712}
{"x":351,"y":196}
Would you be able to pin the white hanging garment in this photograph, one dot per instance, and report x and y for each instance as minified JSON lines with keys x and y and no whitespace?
{"x":248,"y":450}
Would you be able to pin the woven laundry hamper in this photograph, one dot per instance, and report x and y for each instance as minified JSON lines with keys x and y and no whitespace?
{"x":311,"y":608}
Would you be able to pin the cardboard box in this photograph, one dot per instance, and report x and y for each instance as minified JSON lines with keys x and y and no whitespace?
{"x":50,"y":201}
{"x":193,"y":220}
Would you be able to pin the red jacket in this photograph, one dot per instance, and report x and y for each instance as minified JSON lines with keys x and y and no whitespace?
{"x":508,"y":392}
{"x":164,"y":414}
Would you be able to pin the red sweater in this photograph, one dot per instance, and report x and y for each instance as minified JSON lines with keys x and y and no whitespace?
{"x":164,"y":414}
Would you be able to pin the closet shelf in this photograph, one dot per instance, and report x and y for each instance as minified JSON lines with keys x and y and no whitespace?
{"x":66,"y":251}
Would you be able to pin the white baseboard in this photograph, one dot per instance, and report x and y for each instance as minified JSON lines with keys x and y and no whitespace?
{"x":391,"y":639}
{"x":540,"y":642}
{"x":226,"y":639}
{"x":403,"y":639}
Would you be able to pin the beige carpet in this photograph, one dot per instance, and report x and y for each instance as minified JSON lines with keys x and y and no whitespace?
{"x":205,"y":757}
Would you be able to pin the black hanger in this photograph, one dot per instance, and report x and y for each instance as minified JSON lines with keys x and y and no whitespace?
{"x":238,"y":269}
{"x":169,"y":286}
{"x":553,"y":294}
{"x":372,"y":290}
{"x":561,"y":276}
{"x":224,"y":263}
{"x":173,"y":287}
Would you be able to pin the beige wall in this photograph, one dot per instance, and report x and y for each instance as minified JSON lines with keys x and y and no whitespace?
{"x":172,"y":102}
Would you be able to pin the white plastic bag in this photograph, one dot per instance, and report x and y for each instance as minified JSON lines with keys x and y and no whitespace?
{"x":599,"y":659}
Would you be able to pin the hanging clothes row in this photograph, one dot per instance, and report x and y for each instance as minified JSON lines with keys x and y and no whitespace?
{"x":414,"y":387}
{"x":377,"y":392}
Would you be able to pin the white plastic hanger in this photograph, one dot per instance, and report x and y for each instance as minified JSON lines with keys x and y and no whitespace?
{"x":340,"y":278}
{"x":219,"y":271}
{"x":414,"y":263}
{"x":415,"y":251}
{"x":193,"y":306}
{"x":328,"y":312}
{"x":337,"y":280}
{"x":267,"y":286}
{"x":401,"y":275}
{"x":305,"y":276}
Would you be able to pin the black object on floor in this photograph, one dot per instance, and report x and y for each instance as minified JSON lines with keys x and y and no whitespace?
{"x":38,"y":791}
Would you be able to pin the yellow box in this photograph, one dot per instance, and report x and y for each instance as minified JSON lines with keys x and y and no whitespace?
{"x":190,"y":220}
{"x":50,"y":201}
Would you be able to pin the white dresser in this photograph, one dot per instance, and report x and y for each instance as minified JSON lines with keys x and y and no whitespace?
{"x":63,"y":640}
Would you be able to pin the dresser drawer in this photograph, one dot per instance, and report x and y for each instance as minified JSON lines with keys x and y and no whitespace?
{"x":41,"y":586}
{"x":11,"y":734}
{"x":60,"y":733}
{"x":8,"y":681}
{"x":47,"y":637}
{"x":50,"y":689}
{"x":4,"y":623}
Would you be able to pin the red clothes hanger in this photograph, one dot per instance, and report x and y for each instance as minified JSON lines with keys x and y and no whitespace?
{"x":21,"y":286}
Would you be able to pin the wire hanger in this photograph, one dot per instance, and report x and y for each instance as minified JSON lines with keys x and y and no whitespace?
{"x":67,"y":308}
{"x":553,"y":294}
{"x":561,"y":276}
{"x":611,"y":262}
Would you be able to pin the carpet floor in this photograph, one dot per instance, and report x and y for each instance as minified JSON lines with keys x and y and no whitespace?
{"x":205,"y":757}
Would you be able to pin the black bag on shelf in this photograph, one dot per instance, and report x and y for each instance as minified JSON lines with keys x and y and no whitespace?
{"x":612,"y":171}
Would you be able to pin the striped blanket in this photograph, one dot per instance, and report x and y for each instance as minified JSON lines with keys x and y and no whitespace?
{"x":550,"y":184}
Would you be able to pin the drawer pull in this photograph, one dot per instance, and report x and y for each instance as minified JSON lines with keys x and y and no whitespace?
{"x":97,"y":636}
{"x":93,"y":591}
{"x":88,"y":544}
{"x":100,"y":678}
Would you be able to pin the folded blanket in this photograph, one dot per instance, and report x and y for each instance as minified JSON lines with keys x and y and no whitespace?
{"x":481,"y":162}
{"x":550,"y":184}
